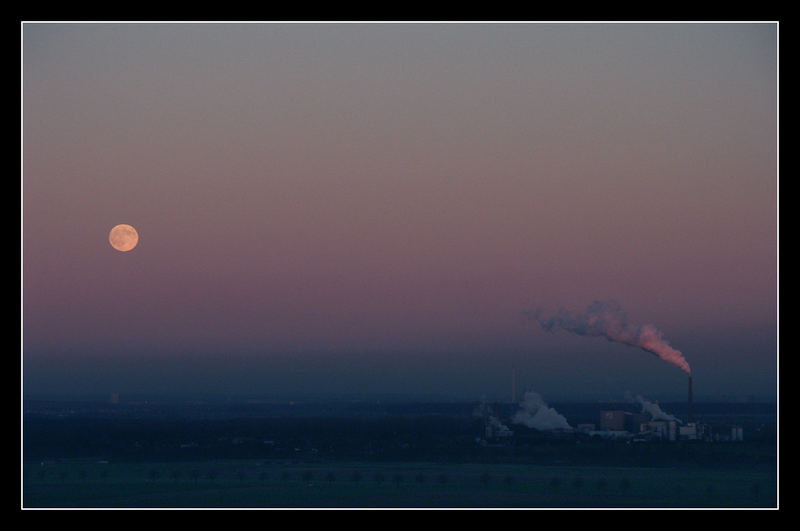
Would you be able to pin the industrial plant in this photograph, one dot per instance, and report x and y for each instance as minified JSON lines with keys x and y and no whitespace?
{"x":650,"y":423}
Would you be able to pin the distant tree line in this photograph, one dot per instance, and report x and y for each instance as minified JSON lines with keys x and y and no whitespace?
{"x":427,"y":438}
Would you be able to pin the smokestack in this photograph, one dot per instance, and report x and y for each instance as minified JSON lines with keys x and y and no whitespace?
{"x":690,"y":399}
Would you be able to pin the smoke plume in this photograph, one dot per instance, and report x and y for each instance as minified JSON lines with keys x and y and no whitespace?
{"x":606,"y":319}
{"x":499,"y":427}
{"x":654,"y":410}
{"x":534,"y":413}
{"x":484,"y":411}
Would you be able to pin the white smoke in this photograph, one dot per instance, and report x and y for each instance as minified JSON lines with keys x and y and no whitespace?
{"x":535,"y":413}
{"x":497,"y":427}
{"x":654,"y":410}
{"x":606,"y":319}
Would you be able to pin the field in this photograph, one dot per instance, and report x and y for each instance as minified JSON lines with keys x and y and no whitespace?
{"x":278,"y":484}
{"x":377,"y":455}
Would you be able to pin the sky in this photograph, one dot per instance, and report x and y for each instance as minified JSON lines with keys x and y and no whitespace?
{"x":378,"y":208}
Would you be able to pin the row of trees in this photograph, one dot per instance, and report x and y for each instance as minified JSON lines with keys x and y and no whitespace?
{"x":379,"y":477}
{"x":217,"y":480}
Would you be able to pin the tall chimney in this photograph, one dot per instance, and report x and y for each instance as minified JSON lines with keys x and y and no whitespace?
{"x":690,"y":398}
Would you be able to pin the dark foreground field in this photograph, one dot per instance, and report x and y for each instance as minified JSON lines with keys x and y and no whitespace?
{"x":426,"y":456}
{"x":258,"y":484}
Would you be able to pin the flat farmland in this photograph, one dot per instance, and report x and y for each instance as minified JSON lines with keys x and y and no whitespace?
{"x":267,"y":484}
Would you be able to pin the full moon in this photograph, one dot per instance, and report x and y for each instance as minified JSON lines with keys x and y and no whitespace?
{"x":123,"y":238}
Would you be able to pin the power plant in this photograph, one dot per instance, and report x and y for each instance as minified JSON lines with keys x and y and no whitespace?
{"x":651,"y":423}
{"x":606,"y":319}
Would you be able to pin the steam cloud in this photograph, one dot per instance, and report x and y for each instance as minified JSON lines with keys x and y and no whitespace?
{"x":498,"y":426}
{"x":606,"y":319}
{"x":485,"y":411}
{"x":654,"y":410}
{"x":534,"y":413}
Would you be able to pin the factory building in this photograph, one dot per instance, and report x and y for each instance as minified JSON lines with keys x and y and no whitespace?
{"x":695,"y":431}
{"x":612,"y":420}
{"x":633,"y":421}
{"x":688,"y":432}
{"x":728,"y":434}
{"x":651,"y":424}
{"x":619,"y":423}
{"x":665,"y":430}
{"x":619,"y":420}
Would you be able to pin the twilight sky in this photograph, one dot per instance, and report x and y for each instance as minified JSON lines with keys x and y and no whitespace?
{"x":370,"y":208}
